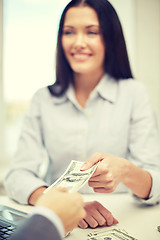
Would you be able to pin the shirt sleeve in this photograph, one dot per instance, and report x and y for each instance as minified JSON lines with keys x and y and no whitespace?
{"x":24,"y":175}
{"x":154,"y":197}
{"x":144,"y":142}
{"x":50,"y":215}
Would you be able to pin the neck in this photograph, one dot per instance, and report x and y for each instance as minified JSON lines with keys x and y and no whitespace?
{"x":86,"y":82}
{"x":84,"y":85}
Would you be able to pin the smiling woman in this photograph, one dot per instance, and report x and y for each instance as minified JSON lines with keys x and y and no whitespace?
{"x":93,"y":110}
{"x":84,"y":48}
{"x":30,"y":29}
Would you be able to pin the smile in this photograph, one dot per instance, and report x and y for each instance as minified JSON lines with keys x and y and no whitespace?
{"x":81,"y":56}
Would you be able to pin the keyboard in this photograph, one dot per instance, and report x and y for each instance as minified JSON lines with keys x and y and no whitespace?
{"x":6,"y":229}
{"x":9,"y":220}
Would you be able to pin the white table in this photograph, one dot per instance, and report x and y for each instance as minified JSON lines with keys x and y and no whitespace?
{"x":139,"y":221}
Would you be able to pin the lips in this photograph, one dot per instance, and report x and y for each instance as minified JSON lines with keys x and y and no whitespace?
{"x":81,"y":56}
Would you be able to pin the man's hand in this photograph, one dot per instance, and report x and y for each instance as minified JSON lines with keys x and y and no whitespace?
{"x":68,"y":206}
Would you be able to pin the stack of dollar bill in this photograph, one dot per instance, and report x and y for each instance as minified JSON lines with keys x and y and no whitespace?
{"x":112,"y":234}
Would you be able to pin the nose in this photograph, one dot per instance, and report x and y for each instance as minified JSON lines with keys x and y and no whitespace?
{"x":80,"y":41}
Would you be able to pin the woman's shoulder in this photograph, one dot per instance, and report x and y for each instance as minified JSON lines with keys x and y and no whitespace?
{"x":133,"y":86}
{"x":134,"y":91}
{"x":43,"y":94}
{"x":131,"y":83}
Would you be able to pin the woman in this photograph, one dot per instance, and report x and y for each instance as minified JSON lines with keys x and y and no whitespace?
{"x":94,"y":106}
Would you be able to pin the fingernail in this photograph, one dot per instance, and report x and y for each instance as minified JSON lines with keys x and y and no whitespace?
{"x":109,"y":222}
{"x":115,"y":221}
{"x":83,"y":166}
{"x":102,"y":223}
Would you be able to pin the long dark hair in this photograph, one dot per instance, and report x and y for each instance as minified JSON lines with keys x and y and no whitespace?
{"x":116,"y":62}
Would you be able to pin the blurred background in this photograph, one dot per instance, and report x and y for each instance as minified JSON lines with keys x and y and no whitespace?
{"x":28,"y":31}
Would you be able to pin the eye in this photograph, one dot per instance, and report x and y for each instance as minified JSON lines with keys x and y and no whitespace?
{"x":67,"y":32}
{"x":92,"y":32}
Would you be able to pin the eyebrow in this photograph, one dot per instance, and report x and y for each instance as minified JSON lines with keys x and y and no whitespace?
{"x":93,"y":26}
{"x":89,"y":26}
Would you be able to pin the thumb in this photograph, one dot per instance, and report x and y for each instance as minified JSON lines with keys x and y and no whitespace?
{"x":92,"y":161}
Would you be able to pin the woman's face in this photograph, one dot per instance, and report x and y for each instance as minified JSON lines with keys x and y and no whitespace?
{"x":82,"y":41}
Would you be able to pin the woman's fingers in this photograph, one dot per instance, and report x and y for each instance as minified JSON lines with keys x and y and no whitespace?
{"x":110,"y":220}
{"x":96,"y":215}
{"x":91,"y":161}
{"x":82,"y":224}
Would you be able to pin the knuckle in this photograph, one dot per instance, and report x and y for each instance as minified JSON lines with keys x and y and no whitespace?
{"x":109,"y":215}
{"x":98,"y":154}
{"x":95,"y":203}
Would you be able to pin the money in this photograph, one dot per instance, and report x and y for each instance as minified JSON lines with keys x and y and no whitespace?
{"x":73,"y":178}
{"x":113,"y":234}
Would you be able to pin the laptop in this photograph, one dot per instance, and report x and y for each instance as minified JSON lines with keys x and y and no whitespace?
{"x":9,"y":220}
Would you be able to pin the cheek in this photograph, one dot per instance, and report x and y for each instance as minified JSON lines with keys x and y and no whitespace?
{"x":66,"y":44}
{"x":99,"y":47}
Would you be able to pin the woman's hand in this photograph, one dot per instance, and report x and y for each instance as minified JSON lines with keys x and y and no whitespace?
{"x":108,"y":174}
{"x":112,"y":170}
{"x":96,"y":215}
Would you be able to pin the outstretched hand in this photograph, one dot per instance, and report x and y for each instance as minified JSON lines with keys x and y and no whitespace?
{"x":67,"y":206}
{"x":108,"y":174}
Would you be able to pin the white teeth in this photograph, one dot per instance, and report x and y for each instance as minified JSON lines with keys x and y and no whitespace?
{"x":80,"y":56}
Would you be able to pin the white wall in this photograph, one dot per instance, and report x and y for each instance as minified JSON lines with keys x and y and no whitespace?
{"x":148,"y":47}
{"x":126,"y":12}
{"x":141,"y":24}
